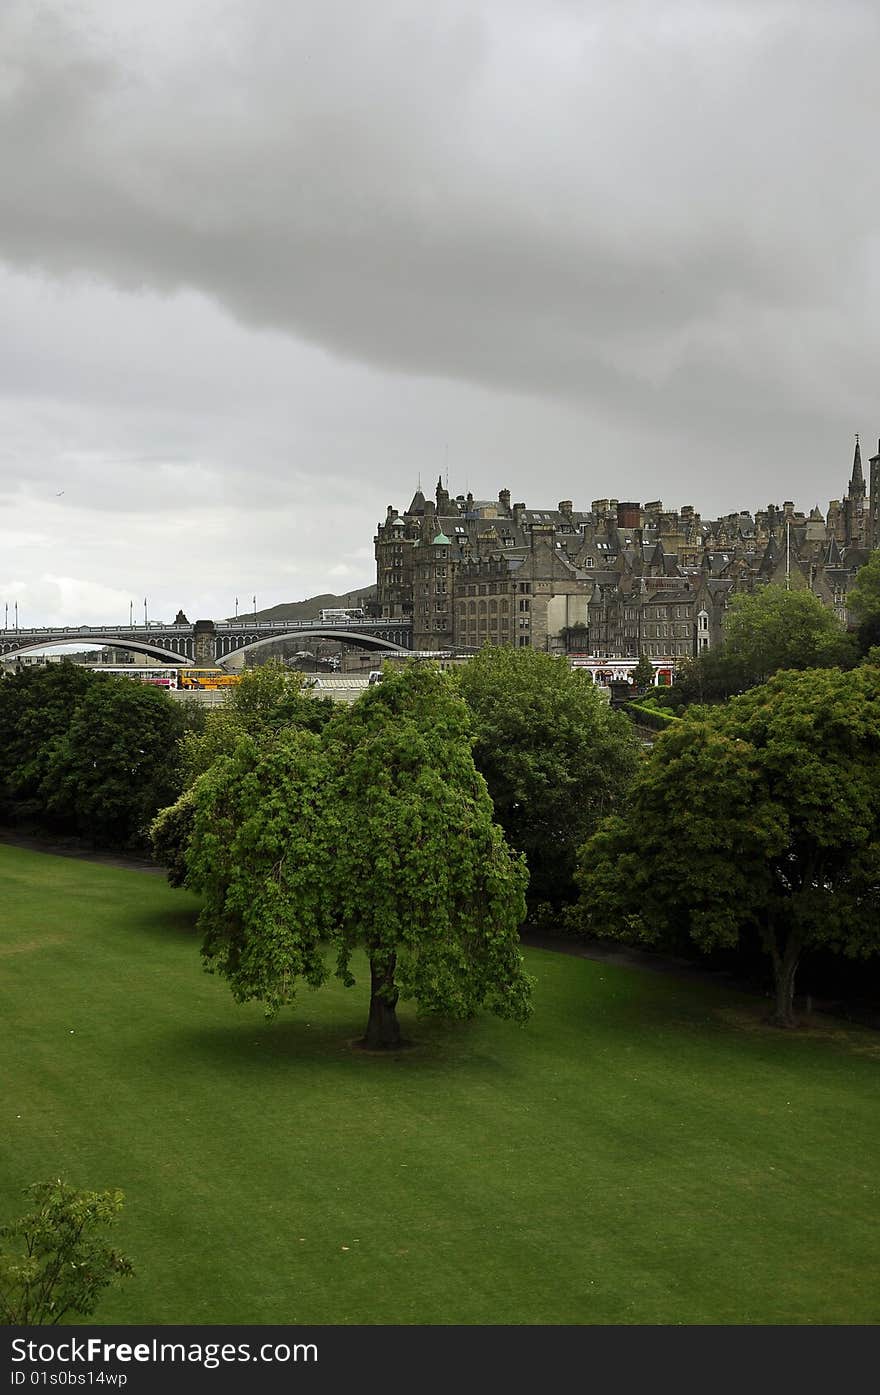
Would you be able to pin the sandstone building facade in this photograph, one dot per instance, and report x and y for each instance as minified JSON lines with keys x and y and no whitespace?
{"x":621,"y":578}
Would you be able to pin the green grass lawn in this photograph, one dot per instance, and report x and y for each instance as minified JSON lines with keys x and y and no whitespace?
{"x":645,"y":1151}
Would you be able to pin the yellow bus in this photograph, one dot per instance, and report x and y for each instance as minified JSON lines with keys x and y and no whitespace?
{"x":207,"y":678}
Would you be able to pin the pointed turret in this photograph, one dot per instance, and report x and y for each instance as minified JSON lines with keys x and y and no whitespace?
{"x":857,"y":481}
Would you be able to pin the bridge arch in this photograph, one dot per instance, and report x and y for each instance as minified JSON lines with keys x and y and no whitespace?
{"x":257,"y":641}
{"x":10,"y":648}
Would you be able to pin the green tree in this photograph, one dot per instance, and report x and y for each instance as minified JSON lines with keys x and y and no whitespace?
{"x":643,"y":674}
{"x":427,"y":884}
{"x":773,"y":629}
{"x":267,"y":700}
{"x":275,"y":696}
{"x":863,"y":601}
{"x":56,"y":1264}
{"x":117,"y":763}
{"x":760,"y":815}
{"x":261,"y":855}
{"x":170,"y":835}
{"x":711,"y":677}
{"x":36,"y":708}
{"x":554,"y":755}
{"x":376,"y":834}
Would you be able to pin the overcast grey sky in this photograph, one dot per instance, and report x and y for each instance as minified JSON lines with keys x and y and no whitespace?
{"x":263,"y":263}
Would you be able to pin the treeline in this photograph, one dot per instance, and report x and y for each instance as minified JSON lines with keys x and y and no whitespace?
{"x":88,"y":755}
{"x":751,"y":829}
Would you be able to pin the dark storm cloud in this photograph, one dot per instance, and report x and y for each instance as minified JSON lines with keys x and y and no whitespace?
{"x":636,"y":206}
{"x":263,"y":263}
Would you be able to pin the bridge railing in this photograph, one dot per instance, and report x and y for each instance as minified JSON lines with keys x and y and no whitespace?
{"x":159,"y":626}
{"x":245,"y":624}
{"x":150,"y":627}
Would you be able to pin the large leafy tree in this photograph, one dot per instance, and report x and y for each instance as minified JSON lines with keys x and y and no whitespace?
{"x":36,"y":708}
{"x":116,"y":763}
{"x":427,"y":884}
{"x":765,"y":631}
{"x":762,"y":815}
{"x":376,"y":834}
{"x":260,"y":853}
{"x":773,"y":629}
{"x":556,"y":758}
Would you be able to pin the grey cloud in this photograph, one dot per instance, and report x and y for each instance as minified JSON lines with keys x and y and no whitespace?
{"x":434,"y":194}
{"x":266,"y":262}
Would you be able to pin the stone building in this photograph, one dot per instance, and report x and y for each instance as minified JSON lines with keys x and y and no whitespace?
{"x":621,"y":578}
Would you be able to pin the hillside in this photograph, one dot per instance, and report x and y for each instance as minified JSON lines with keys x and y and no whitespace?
{"x":310,"y":608}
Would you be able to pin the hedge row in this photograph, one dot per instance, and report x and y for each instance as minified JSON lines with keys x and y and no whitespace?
{"x":651,"y":716}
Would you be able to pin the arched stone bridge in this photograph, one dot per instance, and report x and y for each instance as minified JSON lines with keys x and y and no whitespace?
{"x":209,"y":642}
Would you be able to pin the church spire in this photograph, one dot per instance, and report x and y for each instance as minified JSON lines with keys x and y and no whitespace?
{"x":857,"y":483}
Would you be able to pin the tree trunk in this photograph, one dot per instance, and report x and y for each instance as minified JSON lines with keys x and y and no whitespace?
{"x":383,"y":1028}
{"x":784,"y":969}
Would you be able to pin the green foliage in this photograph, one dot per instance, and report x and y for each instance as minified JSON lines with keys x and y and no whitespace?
{"x":87,"y":753}
{"x":57,"y":1265}
{"x":643,"y":674}
{"x":274,"y":696}
{"x":773,"y":629}
{"x":170,"y":835}
{"x":763,"y":814}
{"x":116,"y":763}
{"x":36,"y":706}
{"x":863,"y":601}
{"x":554,"y":755}
{"x":652,"y":717}
{"x":711,"y":677}
{"x":868,"y":633}
{"x":261,"y":853}
{"x":267,"y":700}
{"x":425,"y":876}
{"x":377,"y":834}
{"x":764,"y":631}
